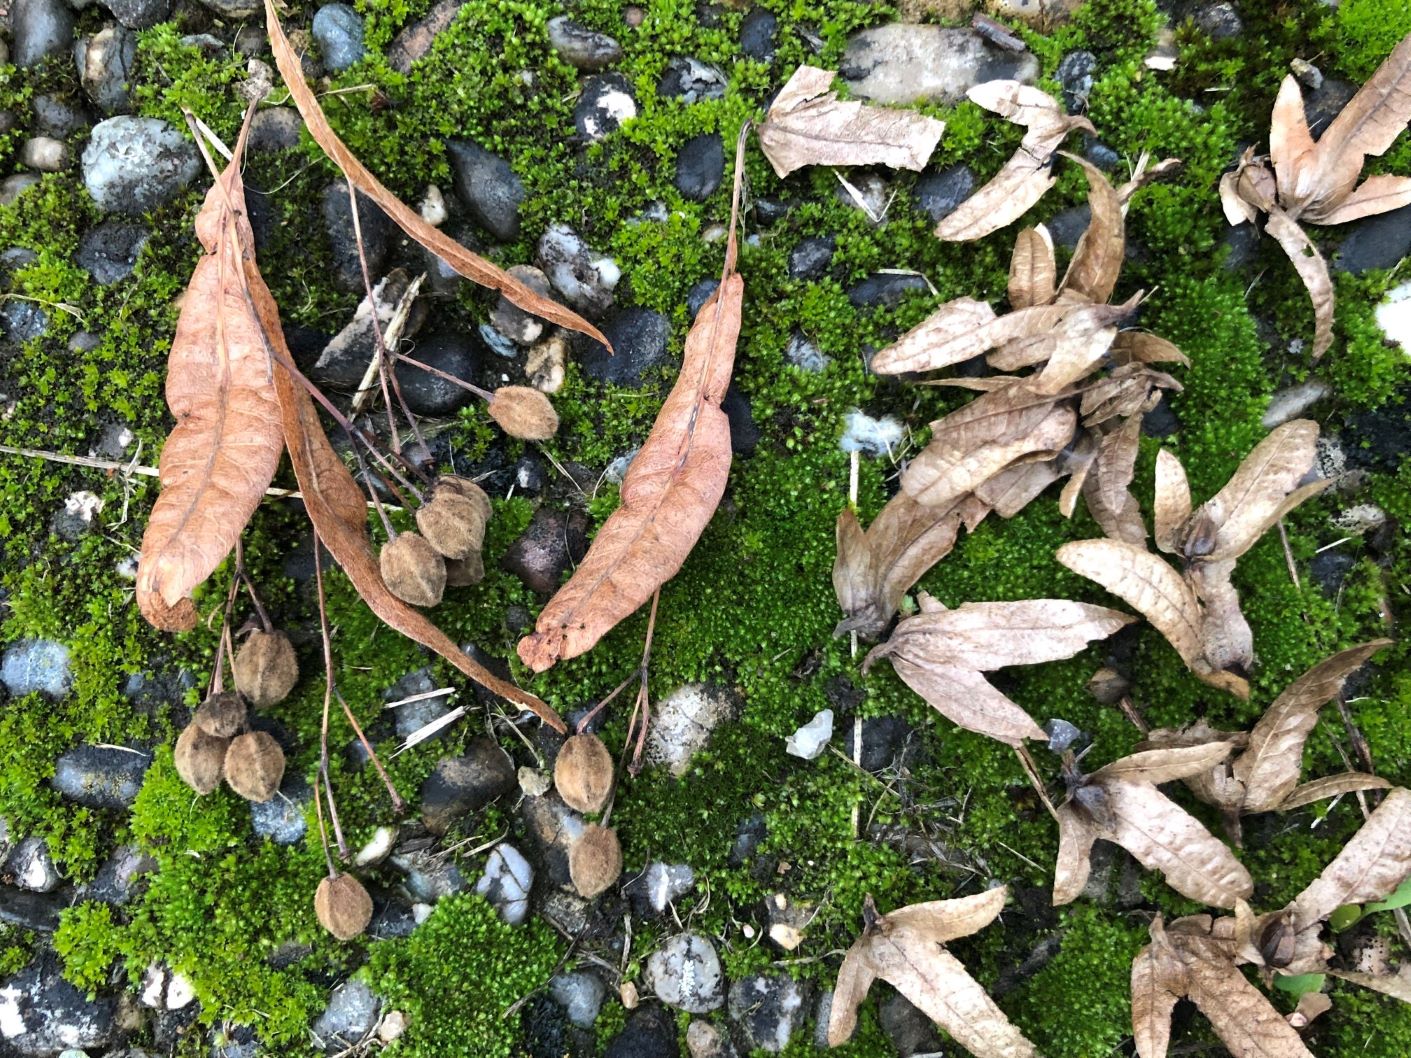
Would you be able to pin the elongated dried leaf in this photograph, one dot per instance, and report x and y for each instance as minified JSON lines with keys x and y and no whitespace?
{"x":1291,"y":145}
{"x":1081,"y":342}
{"x":1173,"y":500}
{"x":1240,"y":1014}
{"x":1371,"y":865}
{"x":1074,"y":863}
{"x":1143,"y":347}
{"x":950,"y":335}
{"x":1015,"y":487}
{"x":1165,"y":764}
{"x":1158,"y":982}
{"x":943,"y":921}
{"x":1332,"y":786}
{"x":1165,"y":837}
{"x":808,"y":125}
{"x":1252,"y":500}
{"x":968,"y":700}
{"x":1027,"y":175}
{"x":1237,"y":209}
{"x":1312,"y":269}
{"x":223,"y":451}
{"x":1114,"y":469}
{"x":1227,"y":643}
{"x":1097,"y":260}
{"x":1032,"y":269}
{"x":471,"y":265}
{"x":1377,"y":194}
{"x":671,"y":489}
{"x":1393,"y":985}
{"x":1270,"y":765}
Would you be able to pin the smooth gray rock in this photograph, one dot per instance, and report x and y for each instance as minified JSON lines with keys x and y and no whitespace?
{"x":376,"y":228}
{"x":583,"y":276}
{"x":1290,"y":403}
{"x":683,"y":723}
{"x":101,"y":776}
{"x":39,"y":29}
{"x":338,"y":29}
{"x":464,"y":784}
{"x":581,"y":47}
{"x":768,"y":1009}
{"x":36,"y":666}
{"x":109,"y":251}
{"x":653,"y":891}
{"x":513,"y":322}
{"x":685,"y":973}
{"x":120,"y":877}
{"x":581,"y":995}
{"x":700,"y":166}
{"x":132,"y":164}
{"x":450,"y":351}
{"x":804,"y":354}
{"x":139,"y":14}
{"x":757,"y":32}
{"x":44,"y":154}
{"x":940,"y":194}
{"x":351,"y":1015}
{"x":412,"y":716}
{"x":488,"y":186}
{"x":275,"y":129}
{"x":429,"y":877}
{"x":640,"y":340}
{"x":810,"y":257}
{"x":909,"y":63}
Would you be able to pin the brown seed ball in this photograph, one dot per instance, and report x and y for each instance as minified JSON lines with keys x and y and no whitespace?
{"x":343,"y":906}
{"x":524,"y":413}
{"x":266,"y":669}
{"x":583,"y":773}
{"x":254,"y":766}
{"x":200,"y":759}
{"x":595,"y":861}
{"x":467,"y":488}
{"x":452,"y":523}
{"x":463,"y":572}
{"x":222,"y":715}
{"x":414,"y":571}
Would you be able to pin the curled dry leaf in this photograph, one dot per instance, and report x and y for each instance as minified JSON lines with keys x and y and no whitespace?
{"x":1369,"y":867}
{"x":906,"y":949}
{"x":1027,"y":175}
{"x":941,"y":654}
{"x":1303,"y":180}
{"x":809,"y":125}
{"x":671,"y":489}
{"x":223,"y":451}
{"x":471,"y":265}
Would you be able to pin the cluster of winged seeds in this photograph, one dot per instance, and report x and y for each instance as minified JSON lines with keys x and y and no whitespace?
{"x":418,"y":567}
{"x":583,"y":777}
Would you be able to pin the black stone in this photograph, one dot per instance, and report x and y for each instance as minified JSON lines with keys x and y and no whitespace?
{"x":699,"y":294}
{"x":34,"y":911}
{"x":1329,"y":569}
{"x":1075,"y":76}
{"x":757,"y":35}
{"x":426,"y":394}
{"x":464,"y":784}
{"x":545,"y":550}
{"x":1067,"y":226}
{"x":691,"y":80}
{"x":639,"y":338}
{"x":1161,"y":421}
{"x":529,"y":475}
{"x":1381,"y":241}
{"x":1220,"y":21}
{"x":744,"y":434}
{"x":700,"y":166}
{"x":812,"y":256}
{"x":56,"y":116}
{"x":939,"y":194}
{"x":100,"y":776}
{"x":769,"y":210}
{"x":338,"y":221}
{"x":650,"y":1032}
{"x":1380,"y":439}
{"x":1100,"y":154}
{"x":109,"y":251}
{"x":885,"y":742}
{"x":23,"y":321}
{"x":50,"y":1014}
{"x":1326,"y":102}
{"x":592,"y":116}
{"x":884,"y":289}
{"x":488,"y":186}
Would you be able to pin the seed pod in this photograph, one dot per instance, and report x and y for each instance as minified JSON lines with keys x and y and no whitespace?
{"x":222,"y":715}
{"x":583,"y":773}
{"x":524,"y":413}
{"x":266,"y":669}
{"x":343,"y":906}
{"x":414,"y":571}
{"x":200,"y":759}
{"x":254,"y":766}
{"x":463,"y":572}
{"x":595,"y":860}
{"x":467,"y":488}
{"x":452,"y":523}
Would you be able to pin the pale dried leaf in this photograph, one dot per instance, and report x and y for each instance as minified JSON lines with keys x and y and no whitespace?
{"x":1081,"y":343}
{"x":947,"y":920}
{"x":1252,"y":500}
{"x":1122,"y":522}
{"x":1377,"y":194}
{"x":855,"y":578}
{"x":1032,"y":269}
{"x":1291,"y":145}
{"x":1158,"y":981}
{"x":1012,"y":489}
{"x":1143,"y":347}
{"x":1117,"y":464}
{"x":1097,"y":260}
{"x":1165,"y":764}
{"x":950,"y":335}
{"x":1331,"y":786}
{"x":1074,"y":863}
{"x":968,"y":700}
{"x":1236,"y":208}
{"x":808,"y":125}
{"x":1078,"y":463}
{"x":1311,"y":1006}
{"x":1270,"y":766}
{"x":855,"y":977}
{"x":937,"y":983}
{"x":1394,"y":985}
{"x":1369,"y":867}
{"x":1173,"y":500}
{"x":1240,"y":1014}
{"x":1312,"y":269}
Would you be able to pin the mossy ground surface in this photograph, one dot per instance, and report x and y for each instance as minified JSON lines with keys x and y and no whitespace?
{"x":753,"y":609}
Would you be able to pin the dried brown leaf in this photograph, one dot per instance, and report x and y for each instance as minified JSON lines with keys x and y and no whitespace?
{"x":671,"y":489}
{"x":968,"y":700}
{"x":223,"y":451}
{"x":1377,"y":194}
{"x":1032,"y":269}
{"x":1394,"y":985}
{"x":1172,"y":502}
{"x":1158,"y":982}
{"x":1012,"y":489}
{"x":1143,"y":347}
{"x":1312,"y":269}
{"x":1291,"y":144}
{"x":471,"y":265}
{"x":1076,"y":836}
{"x":1240,"y":1014}
{"x":1369,"y":867}
{"x":1097,"y":260}
{"x":808,"y":125}
{"x":1165,"y":764}
{"x":955,"y":332}
{"x":1254,"y":497}
{"x":1331,"y":786}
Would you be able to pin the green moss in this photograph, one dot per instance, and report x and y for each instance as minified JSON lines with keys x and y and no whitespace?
{"x":1367,"y":31}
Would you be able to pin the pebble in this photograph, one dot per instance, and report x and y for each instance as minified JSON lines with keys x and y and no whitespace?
{"x":699,"y":294}
{"x":910,"y":1031}
{"x":132,"y":165}
{"x":513,"y":322}
{"x":39,"y":29}
{"x":488,"y":186}
{"x":616,"y":471}
{"x":12,"y":187}
{"x":581,"y":47}
{"x":33,"y":666}
{"x":810,"y":740}
{"x":650,"y":1032}
{"x":497,"y":343}
{"x":433,"y":207}
{"x":1329,"y":569}
{"x":506,"y":883}
{"x":164,"y":990}
{"x":886,"y":741}
{"x":546,"y":364}
{"x":38,"y":912}
{"x":704,"y":1040}
{"x":416,"y":40}
{"x":342,"y":360}
{"x":139,"y":14}
{"x":448,"y":351}
{"x":281,"y":819}
{"x":23,"y":321}
{"x":871,"y":437}
{"x":120,"y":877}
{"x":351,"y":1015}
{"x":691,"y":81}
{"x":885,"y":289}
{"x":1067,"y":225}
{"x":583,"y":276}
{"x":41,"y":1013}
{"x":911,"y":63}
{"x":1380,"y":241}
{"x":1161,"y":421}
{"x":32,"y":867}
{"x":464,"y":784}
{"x":1290,"y":403}
{"x":768,"y":1009}
{"x":700,"y":166}
{"x":275,"y":129}
{"x":1393,"y":315}
{"x":342,"y":237}
{"x":109,"y":251}
{"x":1219,"y":21}
{"x":413,"y":716}
{"x":428,"y":878}
{"x":804,"y":354}
{"x":44,"y":154}
{"x":338,"y":29}
{"x":100,"y":776}
{"x":545,"y":550}
{"x":581,"y":994}
{"x":685,"y":973}
{"x":683,"y":724}
{"x":653,"y":891}
{"x":1063,"y":735}
{"x":604,"y":105}
{"x":55,"y":116}
{"x":640,"y":339}
{"x":744,"y":434}
{"x":810,"y":258}
{"x":757,"y":35}
{"x":1360,"y":518}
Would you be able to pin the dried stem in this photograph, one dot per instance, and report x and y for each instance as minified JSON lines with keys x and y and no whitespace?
{"x":379,"y":349}
{"x":1032,"y":771}
{"x":446,"y":376}
{"x":398,"y":805}
{"x":327,"y":693}
{"x":322,"y":832}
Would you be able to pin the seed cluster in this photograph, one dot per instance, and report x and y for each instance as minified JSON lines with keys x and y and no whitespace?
{"x":418,"y":566}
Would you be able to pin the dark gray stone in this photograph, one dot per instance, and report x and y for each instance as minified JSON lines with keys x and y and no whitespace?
{"x":1330,"y":568}
{"x":1219,"y":21}
{"x":39,"y":30}
{"x":1100,"y":154}
{"x":34,"y":911}
{"x":350,"y":1016}
{"x":884,"y":289}
{"x":275,"y":129}
{"x":757,"y":35}
{"x":650,"y":1032}
{"x":768,"y":1008}
{"x":520,"y":327}
{"x":45,"y":1014}
{"x":1075,"y":76}
{"x":427,"y":394}
{"x":700,"y":166}
{"x":699,"y":294}
{"x":32,"y":867}
{"x":412,"y":716}
{"x":910,"y":1031}
{"x":639,"y":340}
{"x":744,"y":434}
{"x":1381,"y":241}
{"x":603,"y":105}
{"x":132,"y":165}
{"x":885,"y":742}
{"x":36,"y":666}
{"x":810,"y":258}
{"x":691,"y":81}
{"x":106,"y":62}
{"x":139,"y":14}
{"x":1062,"y":735}
{"x":342,"y":237}
{"x":1161,"y":421}
{"x":530,"y":475}
{"x":101,"y":776}
{"x":55,"y":116}
{"x":1326,"y":102}
{"x":1067,"y":226}
{"x":545,"y":550}
{"x":23,"y":321}
{"x":464,"y":784}
{"x":120,"y":878}
{"x":488,"y":187}
{"x":939,"y":194}
{"x":581,"y":47}
{"x":338,"y":29}
{"x":109,"y":252}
